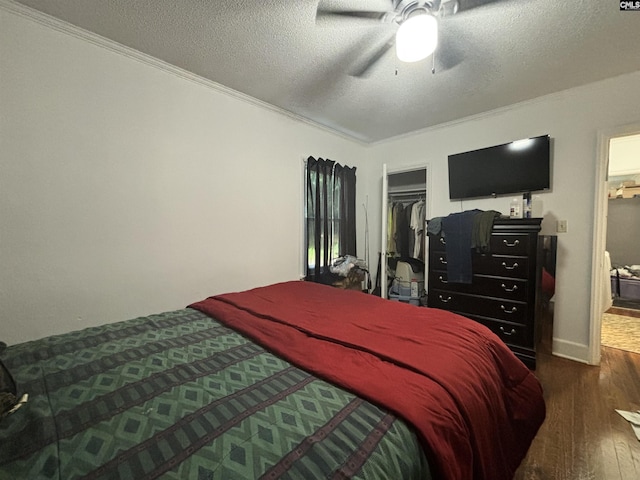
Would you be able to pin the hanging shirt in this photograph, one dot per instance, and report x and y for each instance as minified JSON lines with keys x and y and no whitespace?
{"x":411,"y":239}
{"x":417,"y":225}
{"x":402,"y":230}
{"x":391,"y":231}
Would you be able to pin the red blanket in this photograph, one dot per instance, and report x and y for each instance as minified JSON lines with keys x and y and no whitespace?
{"x":474,"y":404}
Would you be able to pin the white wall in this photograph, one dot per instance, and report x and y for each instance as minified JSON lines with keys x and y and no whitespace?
{"x":573,"y":119}
{"x":128,"y":190}
{"x":624,"y":155}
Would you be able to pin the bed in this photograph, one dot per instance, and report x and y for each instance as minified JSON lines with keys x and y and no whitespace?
{"x":292,"y":380}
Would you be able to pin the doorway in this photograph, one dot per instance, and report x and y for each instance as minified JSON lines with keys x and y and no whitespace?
{"x":621,"y":322}
{"x":599,"y":269}
{"x":404,"y":187}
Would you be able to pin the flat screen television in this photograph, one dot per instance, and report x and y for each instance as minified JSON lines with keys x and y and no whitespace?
{"x":516,"y":167}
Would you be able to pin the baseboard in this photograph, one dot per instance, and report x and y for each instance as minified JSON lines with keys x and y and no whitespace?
{"x":570,"y":350}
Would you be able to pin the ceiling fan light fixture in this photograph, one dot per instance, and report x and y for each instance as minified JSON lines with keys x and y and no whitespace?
{"x":417,"y":38}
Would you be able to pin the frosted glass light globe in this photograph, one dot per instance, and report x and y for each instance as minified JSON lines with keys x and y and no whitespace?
{"x":417,"y":38}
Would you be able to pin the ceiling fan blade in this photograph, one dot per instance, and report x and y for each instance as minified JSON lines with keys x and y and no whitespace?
{"x":363,"y":69}
{"x":454,"y":46}
{"x":468,"y":5}
{"x":325,"y":16}
{"x":448,"y":54}
{"x":376,"y":11}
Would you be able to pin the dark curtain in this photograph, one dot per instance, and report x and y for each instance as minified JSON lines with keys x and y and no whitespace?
{"x":330,"y":216}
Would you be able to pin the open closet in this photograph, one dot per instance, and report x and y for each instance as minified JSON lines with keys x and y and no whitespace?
{"x":403,"y":244}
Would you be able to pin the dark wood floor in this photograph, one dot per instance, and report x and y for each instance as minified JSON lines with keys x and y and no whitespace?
{"x":583,"y":438}
{"x":628,"y":312}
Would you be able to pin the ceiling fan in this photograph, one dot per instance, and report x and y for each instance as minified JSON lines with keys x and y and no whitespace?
{"x":415,"y":25}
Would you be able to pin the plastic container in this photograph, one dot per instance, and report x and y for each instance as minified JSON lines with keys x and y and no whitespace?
{"x":630,"y":288}
{"x":526,"y":205}
{"x":414,"y":289}
{"x":407,"y":289}
{"x":515,"y":208}
{"x":404,"y":299}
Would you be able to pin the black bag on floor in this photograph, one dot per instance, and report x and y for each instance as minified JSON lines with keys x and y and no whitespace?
{"x":8,"y":390}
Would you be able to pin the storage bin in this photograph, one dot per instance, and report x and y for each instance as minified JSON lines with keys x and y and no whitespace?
{"x":404,"y":288}
{"x":404,"y":299}
{"x":629,"y":288}
{"x":401,"y":290}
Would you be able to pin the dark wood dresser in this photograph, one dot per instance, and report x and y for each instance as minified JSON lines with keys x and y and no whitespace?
{"x":505,"y":288}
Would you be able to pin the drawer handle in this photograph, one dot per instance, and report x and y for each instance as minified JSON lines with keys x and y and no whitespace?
{"x":444,"y":300}
{"x":512,"y":267}
{"x":513,"y":330}
{"x":512,"y":289}
{"x":504,"y":309}
{"x":442,"y":279}
{"x":443,"y":241}
{"x":514,"y":244}
{"x":443,"y":261}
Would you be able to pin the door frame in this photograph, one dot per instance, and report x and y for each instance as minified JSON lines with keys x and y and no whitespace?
{"x":600,"y":234}
{"x":386,"y":171}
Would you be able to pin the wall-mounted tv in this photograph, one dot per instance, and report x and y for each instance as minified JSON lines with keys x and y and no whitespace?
{"x":515,"y":167}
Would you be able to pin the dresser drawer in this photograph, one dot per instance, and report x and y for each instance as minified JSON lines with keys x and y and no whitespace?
{"x":499,"y":243}
{"x":436,"y":243}
{"x":494,"y":265}
{"x":437,"y":260}
{"x":507,"y":288}
{"x":509,"y":244}
{"x":510,"y":333}
{"x":501,"y":265}
{"x":511,"y":311}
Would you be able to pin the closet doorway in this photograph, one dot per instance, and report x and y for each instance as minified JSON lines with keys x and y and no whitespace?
{"x":620,"y":326}
{"x":404,"y":189}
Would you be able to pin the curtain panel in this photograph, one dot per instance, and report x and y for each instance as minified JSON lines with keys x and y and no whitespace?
{"x":330,"y":216}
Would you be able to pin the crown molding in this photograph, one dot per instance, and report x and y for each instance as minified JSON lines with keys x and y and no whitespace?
{"x":49,"y":21}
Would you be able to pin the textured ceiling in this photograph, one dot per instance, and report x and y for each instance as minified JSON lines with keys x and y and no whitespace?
{"x":492,"y":53}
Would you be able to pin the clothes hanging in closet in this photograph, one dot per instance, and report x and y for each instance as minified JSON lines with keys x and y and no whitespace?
{"x":417,"y":225}
{"x":406,"y":228}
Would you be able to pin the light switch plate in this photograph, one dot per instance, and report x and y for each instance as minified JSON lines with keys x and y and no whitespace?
{"x":561,"y":226}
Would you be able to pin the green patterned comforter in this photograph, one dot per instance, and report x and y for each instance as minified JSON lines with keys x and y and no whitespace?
{"x":178,"y":395}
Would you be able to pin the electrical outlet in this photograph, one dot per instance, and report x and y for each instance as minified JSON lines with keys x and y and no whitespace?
{"x":561,"y":226}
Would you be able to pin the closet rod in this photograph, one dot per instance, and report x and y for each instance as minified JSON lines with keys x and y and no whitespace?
{"x":406,"y":193}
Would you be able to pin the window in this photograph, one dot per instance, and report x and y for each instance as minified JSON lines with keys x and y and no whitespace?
{"x":329,"y":214}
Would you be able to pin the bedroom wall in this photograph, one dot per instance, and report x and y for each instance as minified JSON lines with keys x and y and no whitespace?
{"x":573,"y":118}
{"x":127,"y":189}
{"x":623,"y":231}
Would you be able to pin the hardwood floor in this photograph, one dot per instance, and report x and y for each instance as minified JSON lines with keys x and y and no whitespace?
{"x":583,"y":438}
{"x":629,"y":312}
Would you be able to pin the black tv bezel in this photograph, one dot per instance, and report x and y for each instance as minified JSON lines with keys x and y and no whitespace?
{"x":502,"y":190}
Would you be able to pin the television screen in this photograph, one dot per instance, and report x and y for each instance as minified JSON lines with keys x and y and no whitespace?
{"x":516,"y":167}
